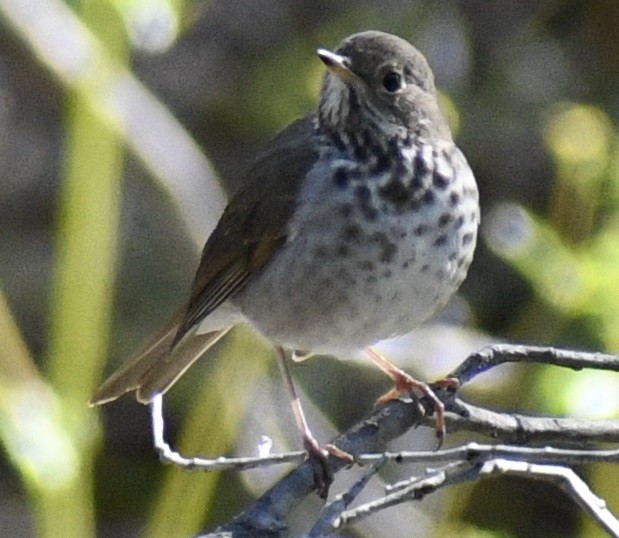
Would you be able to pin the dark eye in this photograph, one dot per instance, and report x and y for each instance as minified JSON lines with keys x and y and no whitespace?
{"x":392,"y":81}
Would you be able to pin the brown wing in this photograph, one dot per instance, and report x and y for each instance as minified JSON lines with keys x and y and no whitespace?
{"x":250,"y":231}
{"x":253,"y":226}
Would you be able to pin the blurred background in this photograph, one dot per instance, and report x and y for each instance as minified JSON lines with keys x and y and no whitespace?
{"x":122,"y":125}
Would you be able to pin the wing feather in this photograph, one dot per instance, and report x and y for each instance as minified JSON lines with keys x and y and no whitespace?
{"x":253,"y":227}
{"x":248,"y":235}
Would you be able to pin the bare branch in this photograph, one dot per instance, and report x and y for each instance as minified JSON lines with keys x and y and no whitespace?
{"x":330,"y":514}
{"x":493,"y":355}
{"x":567,"y":480}
{"x":416,"y":489}
{"x":368,"y":439}
{"x":478,"y":452}
{"x":192,"y":463}
{"x":267,"y":515}
{"x":517,"y":428}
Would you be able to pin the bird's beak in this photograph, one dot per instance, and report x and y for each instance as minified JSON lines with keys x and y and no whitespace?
{"x":338,"y":65}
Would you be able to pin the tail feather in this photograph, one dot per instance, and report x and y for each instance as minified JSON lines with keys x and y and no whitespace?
{"x":176,"y":363}
{"x":157,"y":366}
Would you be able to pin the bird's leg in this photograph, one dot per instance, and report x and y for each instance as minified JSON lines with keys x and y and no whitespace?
{"x":403,"y":384}
{"x":316,"y":452}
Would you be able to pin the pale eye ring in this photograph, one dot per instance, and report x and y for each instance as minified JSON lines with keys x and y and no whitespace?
{"x":392,"y":81}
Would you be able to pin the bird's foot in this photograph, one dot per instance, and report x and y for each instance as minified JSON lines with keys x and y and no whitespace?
{"x":405,"y":384}
{"x":318,"y":455}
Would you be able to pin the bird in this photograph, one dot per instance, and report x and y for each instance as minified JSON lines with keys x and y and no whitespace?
{"x":355,"y":224}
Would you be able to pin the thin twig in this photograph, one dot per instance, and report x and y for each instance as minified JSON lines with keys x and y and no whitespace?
{"x":417,"y":489}
{"x":330,"y":514}
{"x":493,"y":355}
{"x":475,"y":451}
{"x":567,"y":480}
{"x":192,"y":463}
{"x":523,"y":429}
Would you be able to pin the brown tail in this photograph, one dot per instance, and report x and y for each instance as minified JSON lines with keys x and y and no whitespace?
{"x":155,"y":368}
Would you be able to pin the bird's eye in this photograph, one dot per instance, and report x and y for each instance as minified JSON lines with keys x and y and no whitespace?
{"x":392,"y":81}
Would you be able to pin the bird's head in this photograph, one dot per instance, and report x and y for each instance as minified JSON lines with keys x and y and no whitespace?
{"x":381,"y":83}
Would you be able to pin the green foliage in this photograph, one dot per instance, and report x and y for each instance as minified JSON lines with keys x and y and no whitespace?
{"x":571,"y":257}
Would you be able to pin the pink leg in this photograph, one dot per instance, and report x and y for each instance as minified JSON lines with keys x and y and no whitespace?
{"x":316,"y":452}
{"x":403,"y":384}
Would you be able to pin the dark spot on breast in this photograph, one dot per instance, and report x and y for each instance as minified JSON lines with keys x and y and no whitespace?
{"x":394,"y":192}
{"x":340,"y":177}
{"x":405,"y":265}
{"x":363,"y":193}
{"x":428,"y":197}
{"x":388,"y":248}
{"x":467,"y":238}
{"x":473,"y":216}
{"x":344,"y":276}
{"x":371,"y":279}
{"x":424,"y":268}
{"x":361,"y":152}
{"x":445,"y":219}
{"x":388,"y":253}
{"x":440,"y":241}
{"x":353,"y":100}
{"x":366,"y":265}
{"x":439,"y":180}
{"x":368,"y":141}
{"x":383,"y":162}
{"x":454,"y":199}
{"x":420,"y":230}
{"x":345,"y":210}
{"x":343,"y":251}
{"x":351,"y":233}
{"x":394,"y":145}
{"x":338,"y":142}
{"x":459,"y":222}
{"x":452,"y":257}
{"x":416,"y":183}
{"x":369,"y":213}
{"x":387,"y":273}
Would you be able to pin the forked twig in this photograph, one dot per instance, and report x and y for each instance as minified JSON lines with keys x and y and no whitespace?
{"x":367,"y":441}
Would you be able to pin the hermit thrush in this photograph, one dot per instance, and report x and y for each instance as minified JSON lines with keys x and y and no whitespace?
{"x":355,"y":225}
